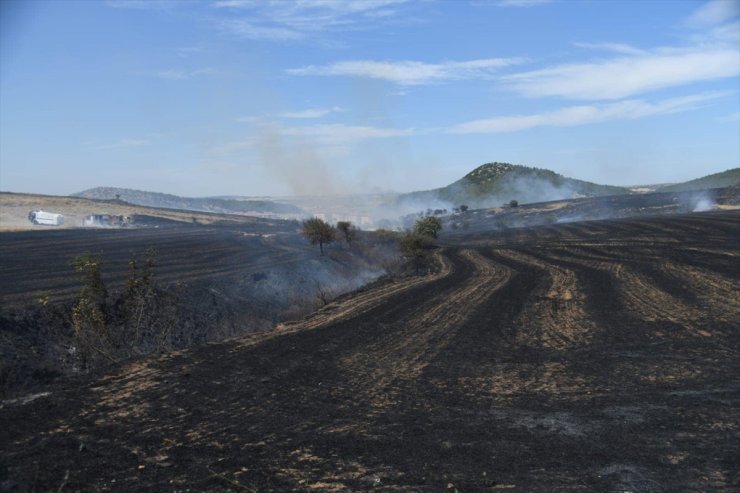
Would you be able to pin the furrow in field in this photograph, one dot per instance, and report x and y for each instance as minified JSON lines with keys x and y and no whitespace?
{"x":403,"y":351}
{"x":709,"y":287}
{"x":485,"y":362}
{"x":556,"y":316}
{"x":359,"y":303}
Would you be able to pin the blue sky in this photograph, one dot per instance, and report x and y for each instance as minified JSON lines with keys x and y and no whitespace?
{"x":271,"y":97}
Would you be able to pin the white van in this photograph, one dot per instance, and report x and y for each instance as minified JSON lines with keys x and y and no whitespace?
{"x":46,"y":218}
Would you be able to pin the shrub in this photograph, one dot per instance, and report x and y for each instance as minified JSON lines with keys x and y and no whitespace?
{"x":429,"y":226}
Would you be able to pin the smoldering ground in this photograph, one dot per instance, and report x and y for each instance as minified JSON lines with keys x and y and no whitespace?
{"x":210,"y":284}
{"x":702,"y":201}
{"x":590,"y":209}
{"x":508,"y":188}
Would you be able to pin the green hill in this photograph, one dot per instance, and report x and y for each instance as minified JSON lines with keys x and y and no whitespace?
{"x":493,"y":184}
{"x":729,"y":178}
{"x":205,"y":204}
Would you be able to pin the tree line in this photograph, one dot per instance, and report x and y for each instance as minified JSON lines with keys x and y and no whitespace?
{"x":414,"y":244}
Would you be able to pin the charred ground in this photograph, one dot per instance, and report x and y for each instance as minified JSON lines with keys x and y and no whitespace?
{"x":576,"y":357}
{"x":212,"y":282}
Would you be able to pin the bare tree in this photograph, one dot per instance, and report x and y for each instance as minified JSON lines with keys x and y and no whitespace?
{"x":348,"y":230}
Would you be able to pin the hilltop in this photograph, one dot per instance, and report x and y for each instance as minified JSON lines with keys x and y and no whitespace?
{"x":495,"y":183}
{"x":201,"y":204}
{"x":729,"y":178}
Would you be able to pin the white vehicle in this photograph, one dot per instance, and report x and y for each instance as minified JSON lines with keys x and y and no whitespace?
{"x":46,"y":218}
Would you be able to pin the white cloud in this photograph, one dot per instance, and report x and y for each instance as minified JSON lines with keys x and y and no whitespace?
{"x":176,"y":74}
{"x":187,"y":51}
{"x":142,"y":4}
{"x":310,"y":113}
{"x":732,"y":117}
{"x":233,"y":146}
{"x":626,"y":76}
{"x":248,"y":30}
{"x":729,"y":32}
{"x":513,"y":3}
{"x":120,"y":144}
{"x":325,"y":136}
{"x":409,"y":72}
{"x":337,"y":133}
{"x":621,"y":48}
{"x":280,"y":20}
{"x":714,"y":12}
{"x":250,"y":119}
{"x":585,"y":114}
{"x":285,"y":10}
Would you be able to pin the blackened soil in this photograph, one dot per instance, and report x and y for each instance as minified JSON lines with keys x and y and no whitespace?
{"x":599,"y":356}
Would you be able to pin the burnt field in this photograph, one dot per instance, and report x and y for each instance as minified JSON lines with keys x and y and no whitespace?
{"x":212,"y":282}
{"x":592,"y":208}
{"x":594,"y":356}
{"x":39,"y":262}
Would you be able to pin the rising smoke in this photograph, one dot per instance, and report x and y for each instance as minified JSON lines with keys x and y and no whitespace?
{"x":295,"y":162}
{"x":702,"y":202}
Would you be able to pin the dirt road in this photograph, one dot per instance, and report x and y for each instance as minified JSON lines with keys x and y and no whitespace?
{"x":600,"y":356}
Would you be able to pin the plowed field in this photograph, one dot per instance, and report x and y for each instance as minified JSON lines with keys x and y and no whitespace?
{"x":597,"y":356}
{"x":35,"y":262}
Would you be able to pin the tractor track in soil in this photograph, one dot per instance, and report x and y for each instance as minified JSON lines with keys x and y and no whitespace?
{"x":599,"y":356}
{"x":34,"y":263}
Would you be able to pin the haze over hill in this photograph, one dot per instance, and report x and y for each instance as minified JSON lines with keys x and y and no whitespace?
{"x":203,"y":204}
{"x":494,"y":183}
{"x":729,"y":178}
{"x":488,"y":185}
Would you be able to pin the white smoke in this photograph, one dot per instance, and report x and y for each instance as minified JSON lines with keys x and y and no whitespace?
{"x":701,"y":202}
{"x":704,"y":204}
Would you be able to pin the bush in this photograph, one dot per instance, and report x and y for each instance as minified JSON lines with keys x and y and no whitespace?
{"x":415,"y":247}
{"x":429,"y":226}
{"x":90,"y":312}
{"x":140,"y":320}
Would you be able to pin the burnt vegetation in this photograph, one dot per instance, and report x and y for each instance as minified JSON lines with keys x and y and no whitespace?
{"x":67,"y":311}
{"x":584,"y":356}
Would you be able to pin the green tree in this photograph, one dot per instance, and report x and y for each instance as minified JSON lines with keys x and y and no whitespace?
{"x":514,"y":203}
{"x":429,"y":226}
{"x":318,"y":231}
{"x":463,"y":208}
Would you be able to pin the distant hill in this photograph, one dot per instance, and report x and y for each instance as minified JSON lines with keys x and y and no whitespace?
{"x":167,"y":201}
{"x":493,"y":184}
{"x":729,"y":178}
